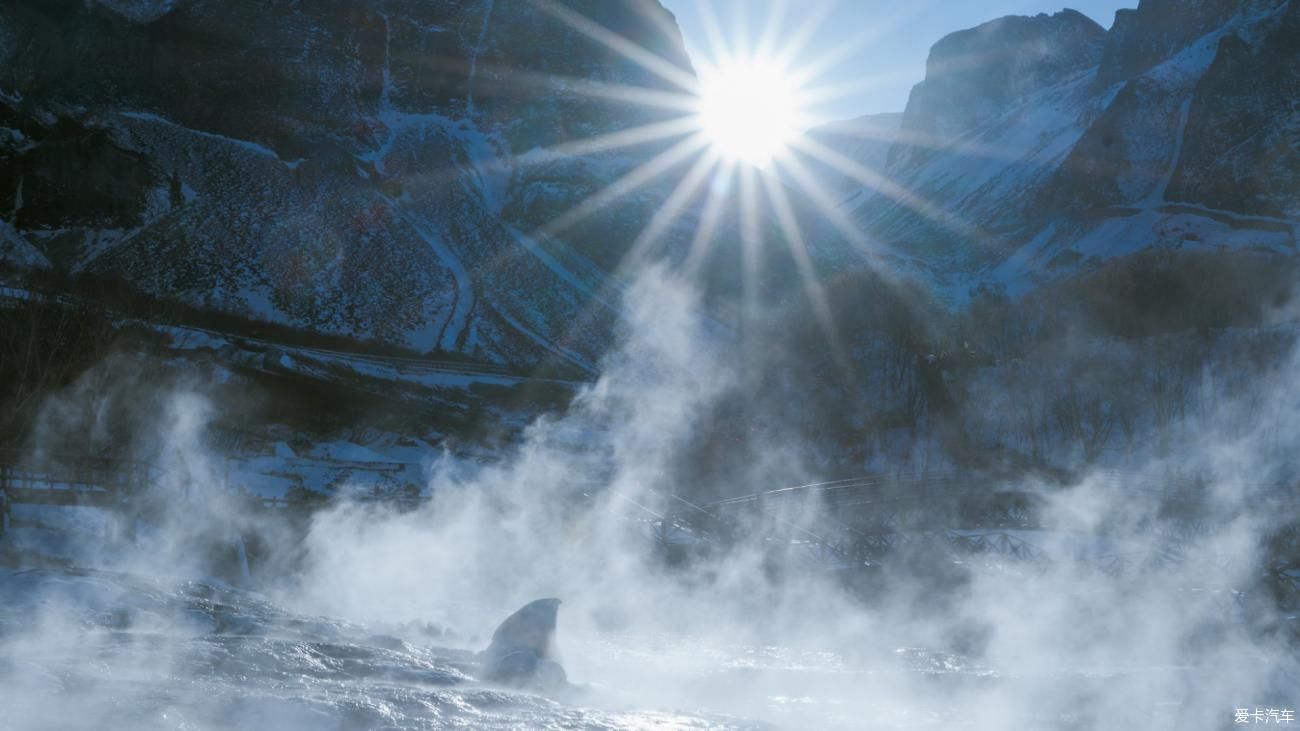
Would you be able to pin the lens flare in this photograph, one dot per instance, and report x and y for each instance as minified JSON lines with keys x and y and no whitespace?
{"x":750,"y":110}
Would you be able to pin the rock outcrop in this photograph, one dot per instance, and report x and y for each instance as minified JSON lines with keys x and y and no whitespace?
{"x":372,"y":169}
{"x":1037,"y":148}
{"x":976,"y":75}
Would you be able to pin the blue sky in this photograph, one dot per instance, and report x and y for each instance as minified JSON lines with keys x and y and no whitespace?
{"x":886,"y":40}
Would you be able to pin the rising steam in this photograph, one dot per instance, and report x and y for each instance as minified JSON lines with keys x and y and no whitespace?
{"x":752,"y":631}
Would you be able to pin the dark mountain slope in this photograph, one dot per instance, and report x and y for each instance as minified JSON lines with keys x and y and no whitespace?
{"x":1038,"y":148}
{"x":370,"y":169}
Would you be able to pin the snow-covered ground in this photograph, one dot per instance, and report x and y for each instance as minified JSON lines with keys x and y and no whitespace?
{"x":339,"y":366}
{"x":192,"y":656}
{"x":326,"y":468}
{"x":89,"y":649}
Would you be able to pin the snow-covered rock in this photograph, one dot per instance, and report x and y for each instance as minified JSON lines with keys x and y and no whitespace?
{"x":355,"y":169}
{"x":1036,"y":148}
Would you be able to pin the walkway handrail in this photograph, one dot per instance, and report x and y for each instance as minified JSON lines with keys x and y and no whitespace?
{"x":1133,"y":483}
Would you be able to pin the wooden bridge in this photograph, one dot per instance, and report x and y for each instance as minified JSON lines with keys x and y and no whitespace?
{"x":1169,"y":506}
{"x":1151,"y":520}
{"x":854,"y":522}
{"x":68,"y":480}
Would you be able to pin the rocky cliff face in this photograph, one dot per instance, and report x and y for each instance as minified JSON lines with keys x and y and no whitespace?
{"x":377,"y":169}
{"x":976,"y":75}
{"x":370,"y":169}
{"x":865,"y":140}
{"x":1155,"y":31}
{"x":1037,"y":158}
{"x":1242,"y":142}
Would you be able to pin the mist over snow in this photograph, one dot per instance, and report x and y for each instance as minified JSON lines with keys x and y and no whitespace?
{"x":497,"y":364}
{"x":751,"y":632}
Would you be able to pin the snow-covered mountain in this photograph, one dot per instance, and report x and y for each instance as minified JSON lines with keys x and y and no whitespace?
{"x":865,"y":140}
{"x":368,"y":168}
{"x":379,"y":169}
{"x":1038,"y":147}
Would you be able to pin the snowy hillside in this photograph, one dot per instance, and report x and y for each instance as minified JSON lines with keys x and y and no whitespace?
{"x":388,"y":171}
{"x":865,"y":140}
{"x":371,"y":169}
{"x":1066,"y":145}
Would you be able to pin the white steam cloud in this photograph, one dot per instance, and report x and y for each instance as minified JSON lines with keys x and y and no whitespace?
{"x":756,"y":631}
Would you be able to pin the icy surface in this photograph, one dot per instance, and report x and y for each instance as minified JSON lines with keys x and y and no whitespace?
{"x":97,"y":649}
{"x":193,"y":656}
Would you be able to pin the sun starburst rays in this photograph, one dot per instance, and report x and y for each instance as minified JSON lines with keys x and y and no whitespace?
{"x":876,"y":181}
{"x":628,"y":49}
{"x":682,"y":196}
{"x":750,"y":260}
{"x":702,"y":241}
{"x":821,"y":198}
{"x":729,"y":194}
{"x":750,"y":110}
{"x":629,"y":183}
{"x":622,"y":139}
{"x":812,"y":287}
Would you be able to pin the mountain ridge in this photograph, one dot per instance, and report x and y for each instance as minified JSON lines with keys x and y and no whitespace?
{"x":354,"y":168}
{"x":1084,"y":168}
{"x":383,"y":170}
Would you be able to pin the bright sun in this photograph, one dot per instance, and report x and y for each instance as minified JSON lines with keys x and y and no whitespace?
{"x":749,"y":110}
